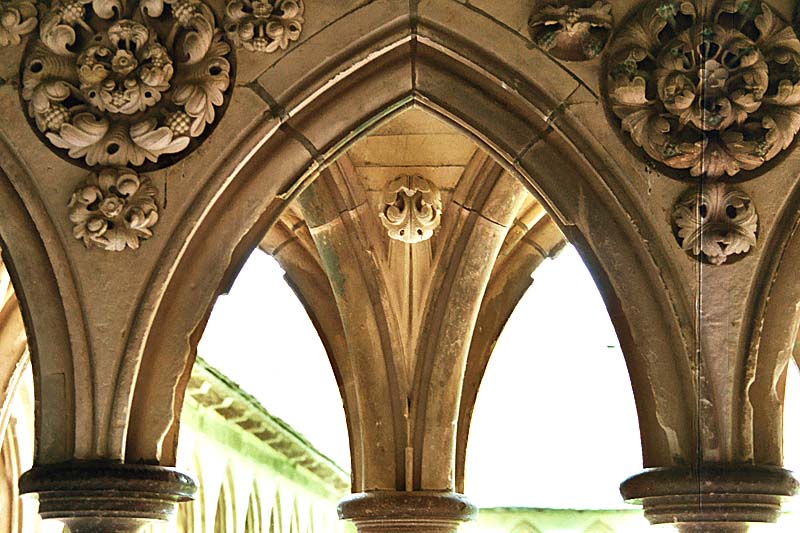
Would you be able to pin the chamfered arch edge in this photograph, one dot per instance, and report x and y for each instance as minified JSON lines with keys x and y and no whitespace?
{"x":44,"y":284}
{"x":278,"y":152}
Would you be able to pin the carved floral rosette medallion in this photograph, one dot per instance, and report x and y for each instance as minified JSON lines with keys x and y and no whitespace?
{"x":715,"y":222}
{"x":17,"y":18}
{"x":573,"y":30}
{"x":118,"y":82}
{"x":263,"y":26}
{"x":712,"y":86}
{"x":412,"y":209}
{"x":114,"y":209}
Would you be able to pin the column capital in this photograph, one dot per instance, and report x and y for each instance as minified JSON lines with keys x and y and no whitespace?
{"x":711,"y":497}
{"x":102,"y":496}
{"x":395,"y":512}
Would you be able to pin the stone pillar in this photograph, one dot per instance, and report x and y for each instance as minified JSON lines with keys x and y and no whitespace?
{"x":403,"y":512}
{"x":105,"y":497}
{"x":712,"y":497}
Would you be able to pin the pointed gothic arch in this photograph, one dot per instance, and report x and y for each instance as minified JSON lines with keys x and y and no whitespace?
{"x":554,"y":160}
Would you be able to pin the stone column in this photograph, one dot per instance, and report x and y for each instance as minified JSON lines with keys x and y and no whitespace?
{"x":105,"y":497}
{"x":712,"y":497}
{"x":401,"y":512}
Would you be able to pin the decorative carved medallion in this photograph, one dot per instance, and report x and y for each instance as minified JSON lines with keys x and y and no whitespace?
{"x":17,"y":18}
{"x":114,"y":209}
{"x":412,"y":209}
{"x":573,"y":30}
{"x":263,"y":26}
{"x":715,"y":222}
{"x":712,"y":86}
{"x":119,"y":82}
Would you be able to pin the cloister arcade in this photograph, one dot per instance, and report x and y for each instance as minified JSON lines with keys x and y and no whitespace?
{"x":148,"y":147}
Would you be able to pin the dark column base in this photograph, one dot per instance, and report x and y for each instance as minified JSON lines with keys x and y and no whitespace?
{"x":403,"y":512}
{"x":714,"y":497}
{"x":713,"y":527}
{"x":104,"y":497}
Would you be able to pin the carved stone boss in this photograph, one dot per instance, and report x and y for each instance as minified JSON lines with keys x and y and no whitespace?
{"x":575,"y":30}
{"x":710,"y":89}
{"x":118,"y":84}
{"x":264,"y":26}
{"x":411,"y":209}
{"x":716,"y":221}
{"x":708,"y":86}
{"x":121,"y":83}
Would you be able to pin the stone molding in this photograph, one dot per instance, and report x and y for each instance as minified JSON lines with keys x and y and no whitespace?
{"x":412,"y":209}
{"x":573,"y":30}
{"x":389,"y":511}
{"x":127,"y":82}
{"x":107,"y":496}
{"x":706,"y":86}
{"x":710,"y":493}
{"x":714,"y":222}
{"x":263,"y":26}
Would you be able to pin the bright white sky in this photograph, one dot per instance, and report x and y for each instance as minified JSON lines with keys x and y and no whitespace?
{"x":555,"y":405}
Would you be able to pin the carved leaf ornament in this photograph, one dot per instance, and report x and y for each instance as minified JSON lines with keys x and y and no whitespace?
{"x":114,"y":209}
{"x":715,"y":222}
{"x":712,"y":86}
{"x":574,"y":30}
{"x":264,"y":26}
{"x":117,"y":82}
{"x":17,"y":18}
{"x":412,"y":209}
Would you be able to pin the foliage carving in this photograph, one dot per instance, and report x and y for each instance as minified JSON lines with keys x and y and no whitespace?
{"x":715,"y":222}
{"x":412,"y":209}
{"x":264,"y":26}
{"x":573,"y":30}
{"x":17,"y":18}
{"x":712,"y":86}
{"x":114,"y":209}
{"x":121,"y":83}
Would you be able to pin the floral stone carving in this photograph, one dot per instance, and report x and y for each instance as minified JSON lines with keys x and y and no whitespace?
{"x":412,"y":209}
{"x":715,"y":222}
{"x":114,"y":209}
{"x":118,"y":82}
{"x":263,"y":26}
{"x":573,"y":30}
{"x":17,"y":18}
{"x":712,"y":86}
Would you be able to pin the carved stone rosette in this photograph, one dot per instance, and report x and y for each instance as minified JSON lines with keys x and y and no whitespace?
{"x":715,"y":222}
{"x":712,"y":86}
{"x":412,"y":209}
{"x":573,"y":30}
{"x":263,"y":26}
{"x":17,"y":18}
{"x":114,"y":209}
{"x":122,"y":82}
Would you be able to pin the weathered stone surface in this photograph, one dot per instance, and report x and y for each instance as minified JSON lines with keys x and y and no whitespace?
{"x":97,"y":497}
{"x":389,"y":512}
{"x":725,"y":496}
